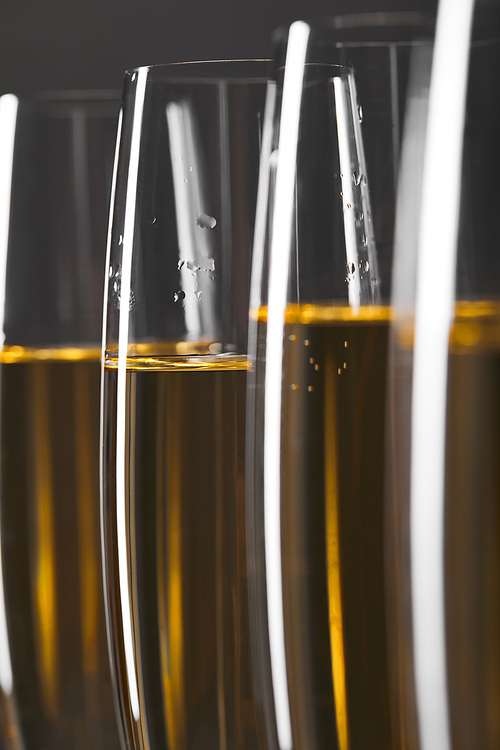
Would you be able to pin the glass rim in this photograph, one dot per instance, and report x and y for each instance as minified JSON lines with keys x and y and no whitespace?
{"x":234,"y":70}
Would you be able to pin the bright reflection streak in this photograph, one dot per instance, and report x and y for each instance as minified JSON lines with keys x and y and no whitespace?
{"x":345,"y":133}
{"x":433,"y":314}
{"x":121,"y":437}
{"x":278,"y":280}
{"x":195,"y":245}
{"x":261,"y":208}
{"x":8,"y":118}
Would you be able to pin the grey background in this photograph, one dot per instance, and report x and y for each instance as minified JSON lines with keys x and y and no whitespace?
{"x":57,"y":44}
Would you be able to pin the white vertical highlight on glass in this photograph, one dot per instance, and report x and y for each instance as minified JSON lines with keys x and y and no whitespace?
{"x":195,"y":242}
{"x":436,"y":266}
{"x":8,"y":119}
{"x":121,"y":443}
{"x":261,"y":207}
{"x":345,"y":133}
{"x":278,"y":280}
{"x":109,"y":628}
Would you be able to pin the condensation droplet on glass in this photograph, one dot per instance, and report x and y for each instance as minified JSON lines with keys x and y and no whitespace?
{"x":154,"y":221}
{"x":110,"y":272}
{"x":341,"y":175}
{"x":356,"y":179}
{"x":344,"y":365}
{"x":293,"y":386}
{"x":204,"y":221}
{"x":348,"y":205}
{"x":367,"y":265}
{"x":180,"y":295}
{"x":339,"y":371}
{"x":133,"y":76}
{"x":120,"y":239}
{"x":363,"y":180}
{"x":180,"y":264}
{"x":209,"y":265}
{"x":310,"y":388}
{"x":364,"y":240}
{"x":306,"y":342}
{"x":192,"y":265}
{"x":292,"y":337}
{"x":198,"y":293}
{"x":185,"y":180}
{"x":311,"y":360}
{"x":353,"y":268}
{"x":190,"y":169}
{"x":116,"y":287}
{"x":360,"y":113}
{"x":316,"y":367}
{"x":360,"y":216}
{"x":346,"y":344}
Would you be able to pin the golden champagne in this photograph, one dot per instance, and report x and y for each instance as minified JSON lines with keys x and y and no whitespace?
{"x":182,"y":455}
{"x":56,"y":684}
{"x":472,"y":527}
{"x":332,"y":525}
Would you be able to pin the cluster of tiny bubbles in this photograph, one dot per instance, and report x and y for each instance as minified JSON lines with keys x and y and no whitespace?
{"x":351,"y":272}
{"x":206,"y":265}
{"x":116,"y":275}
{"x":311,"y":361}
{"x":204,"y":221}
{"x":313,"y":364}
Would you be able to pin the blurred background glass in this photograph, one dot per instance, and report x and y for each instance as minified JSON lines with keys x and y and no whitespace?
{"x":56,"y":154}
{"x":443,"y":426}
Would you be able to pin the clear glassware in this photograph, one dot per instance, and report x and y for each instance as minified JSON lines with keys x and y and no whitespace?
{"x":56,"y":157}
{"x":318,"y":345}
{"x":443,"y":428}
{"x":174,"y":376}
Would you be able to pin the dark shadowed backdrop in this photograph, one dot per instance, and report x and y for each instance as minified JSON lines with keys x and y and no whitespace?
{"x":54,"y":44}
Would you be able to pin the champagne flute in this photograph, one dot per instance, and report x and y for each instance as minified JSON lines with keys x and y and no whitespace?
{"x":56,"y":153}
{"x":320,"y":319}
{"x":443,"y":500}
{"x":175,"y":337}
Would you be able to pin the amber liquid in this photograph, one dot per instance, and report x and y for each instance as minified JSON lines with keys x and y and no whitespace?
{"x":183,"y":448}
{"x":332,"y":526}
{"x":61,"y":695}
{"x":472,"y":527}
